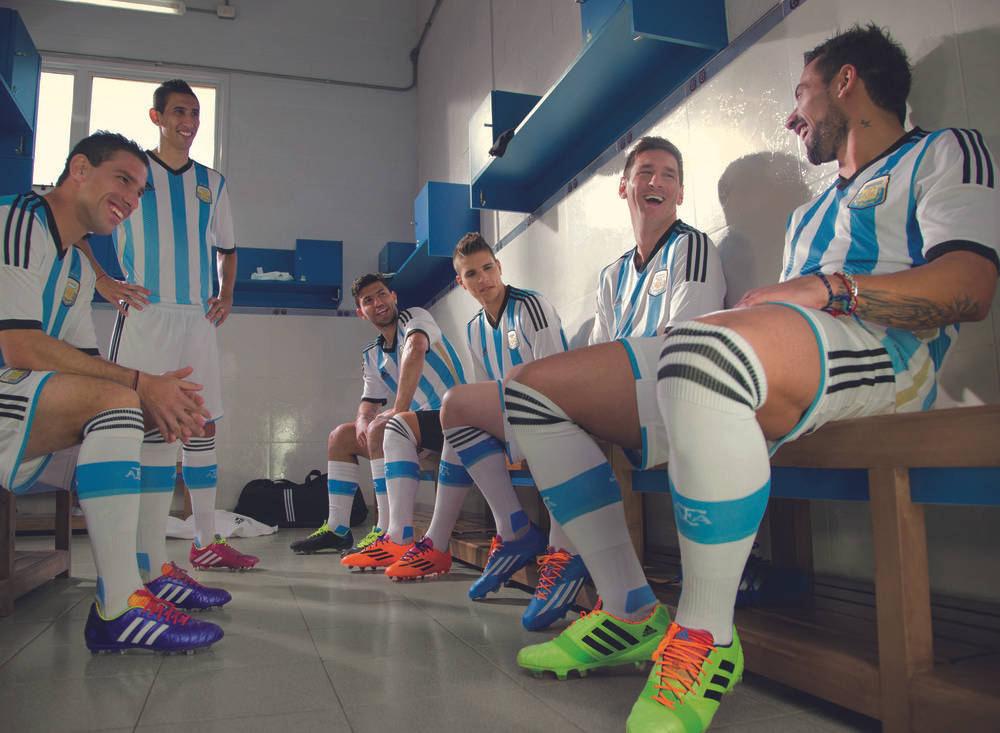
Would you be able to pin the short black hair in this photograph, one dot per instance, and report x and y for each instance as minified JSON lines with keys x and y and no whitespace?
{"x":171,"y":86}
{"x":881,"y":63}
{"x":363,"y":282}
{"x":650,"y":142}
{"x":470,"y":244}
{"x":99,"y":147}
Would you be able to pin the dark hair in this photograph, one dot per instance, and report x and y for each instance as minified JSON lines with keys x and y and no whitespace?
{"x":99,"y":147}
{"x":470,"y":244}
{"x":650,"y":142}
{"x":363,"y":282}
{"x":880,"y":61}
{"x":172,"y":86}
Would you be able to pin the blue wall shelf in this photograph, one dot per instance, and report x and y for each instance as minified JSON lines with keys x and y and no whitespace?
{"x":642,"y":52}
{"x":20,"y":69}
{"x":316,"y":266}
{"x":441,"y":217}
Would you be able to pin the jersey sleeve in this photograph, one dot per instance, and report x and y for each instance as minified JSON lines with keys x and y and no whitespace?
{"x":420,"y":321}
{"x":223,"y":237}
{"x":22,"y":263}
{"x":602,"y":331}
{"x":548,"y":338}
{"x":697,"y":283}
{"x":375,"y":389}
{"x":955,"y":186}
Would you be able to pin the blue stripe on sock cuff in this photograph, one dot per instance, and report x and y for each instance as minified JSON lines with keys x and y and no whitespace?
{"x":344,"y":488}
{"x":584,"y":493}
{"x":99,"y":592}
{"x":379,"y":485}
{"x":639,"y":598}
{"x":156,"y":479}
{"x":518,"y":519}
{"x":402,"y":469}
{"x":200,"y":477}
{"x":451,"y":474}
{"x":407,"y":536}
{"x":108,"y":478}
{"x":341,"y":530}
{"x":142,"y":560}
{"x":477,"y":451}
{"x":715,"y":522}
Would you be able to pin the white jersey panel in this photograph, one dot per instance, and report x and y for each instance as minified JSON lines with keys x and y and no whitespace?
{"x":682,"y":280}
{"x":166,"y":245}
{"x":529,"y":328}
{"x":929,"y":194}
{"x":442,"y":367}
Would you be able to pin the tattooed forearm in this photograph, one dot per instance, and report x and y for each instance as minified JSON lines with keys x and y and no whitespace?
{"x":911,"y":313}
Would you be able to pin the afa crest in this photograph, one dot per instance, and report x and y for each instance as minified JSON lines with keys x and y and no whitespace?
{"x":512,"y":341}
{"x":871,"y":194}
{"x":13,"y":376}
{"x":72,"y":290}
{"x":659,"y":283}
{"x":204,"y":194}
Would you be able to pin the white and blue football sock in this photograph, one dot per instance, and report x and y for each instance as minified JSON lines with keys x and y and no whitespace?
{"x":381,"y":495}
{"x":341,"y":484}
{"x":107,"y":484}
{"x":199,"y":467}
{"x":710,"y":384}
{"x":402,"y":478}
{"x":580,"y":490}
{"x":485,"y":460}
{"x":453,"y":484}
{"x":159,"y":474}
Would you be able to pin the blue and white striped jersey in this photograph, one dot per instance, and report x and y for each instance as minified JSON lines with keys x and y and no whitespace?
{"x":681,"y":280}
{"x":528,"y":329}
{"x":929,"y":194}
{"x":42,"y":286}
{"x":166,"y":245}
{"x":442,"y":367}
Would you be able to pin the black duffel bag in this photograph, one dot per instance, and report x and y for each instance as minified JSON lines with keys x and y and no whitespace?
{"x":288,"y":504}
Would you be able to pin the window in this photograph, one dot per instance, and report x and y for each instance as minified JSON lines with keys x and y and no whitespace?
{"x":76,"y":99}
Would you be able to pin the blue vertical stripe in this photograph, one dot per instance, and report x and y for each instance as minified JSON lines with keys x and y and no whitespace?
{"x":204,"y":211}
{"x":62,"y":310}
{"x":151,"y":243}
{"x":182,"y":246}
{"x":825,"y":231}
{"x":49,"y":296}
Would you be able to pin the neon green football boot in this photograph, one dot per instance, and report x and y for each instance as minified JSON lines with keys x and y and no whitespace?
{"x":597,"y":639}
{"x":689,"y":677}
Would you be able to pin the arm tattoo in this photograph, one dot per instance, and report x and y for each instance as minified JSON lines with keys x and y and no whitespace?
{"x":913,"y":314}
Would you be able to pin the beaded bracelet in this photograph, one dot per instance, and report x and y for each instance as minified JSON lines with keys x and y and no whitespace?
{"x":103,"y":274}
{"x":852,"y":292}
{"x":829,"y":290}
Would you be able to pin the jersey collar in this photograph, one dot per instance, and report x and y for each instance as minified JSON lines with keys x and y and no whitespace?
{"x":167,"y":168}
{"x":909,"y":136}
{"x":503,"y":308}
{"x":659,"y":245}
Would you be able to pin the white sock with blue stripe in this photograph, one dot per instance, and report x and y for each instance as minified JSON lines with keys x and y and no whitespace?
{"x":341,"y":484}
{"x":580,"y":489}
{"x":402,"y":478}
{"x":159,"y":473}
{"x":381,"y":495}
{"x":453,"y":484}
{"x":107,"y":484}
{"x":710,"y":385}
{"x":485,"y":459}
{"x":199,"y":467}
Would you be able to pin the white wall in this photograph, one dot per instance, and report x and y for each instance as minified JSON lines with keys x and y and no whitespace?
{"x":730,"y":130}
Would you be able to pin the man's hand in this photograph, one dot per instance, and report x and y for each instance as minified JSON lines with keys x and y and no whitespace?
{"x":807,"y":291}
{"x":219,"y":308}
{"x":173,"y":404}
{"x":120,"y":293}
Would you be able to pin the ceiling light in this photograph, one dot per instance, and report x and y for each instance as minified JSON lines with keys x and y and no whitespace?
{"x":171,"y":7}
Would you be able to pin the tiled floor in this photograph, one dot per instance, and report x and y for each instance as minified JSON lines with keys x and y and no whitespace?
{"x":311,"y":646}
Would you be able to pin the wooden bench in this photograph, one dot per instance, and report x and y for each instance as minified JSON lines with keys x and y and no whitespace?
{"x":897,"y":463}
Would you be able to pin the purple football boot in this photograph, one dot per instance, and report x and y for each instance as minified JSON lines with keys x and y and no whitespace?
{"x":151,"y":624}
{"x":176,"y":586}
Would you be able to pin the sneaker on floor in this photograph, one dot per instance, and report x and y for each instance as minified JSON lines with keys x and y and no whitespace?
{"x":176,"y":586}
{"x":220,"y":554}
{"x":149,"y":623}
{"x":373,"y":534}
{"x":689,"y":677}
{"x":597,"y":639}
{"x":560,"y":578}
{"x":420,"y":561}
{"x":323,"y":538}
{"x":381,"y":553}
{"x":505,"y":559}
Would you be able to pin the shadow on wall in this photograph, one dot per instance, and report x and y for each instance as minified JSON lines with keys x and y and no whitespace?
{"x":757,"y":193}
{"x":959,"y":73}
{"x":582,"y":335}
